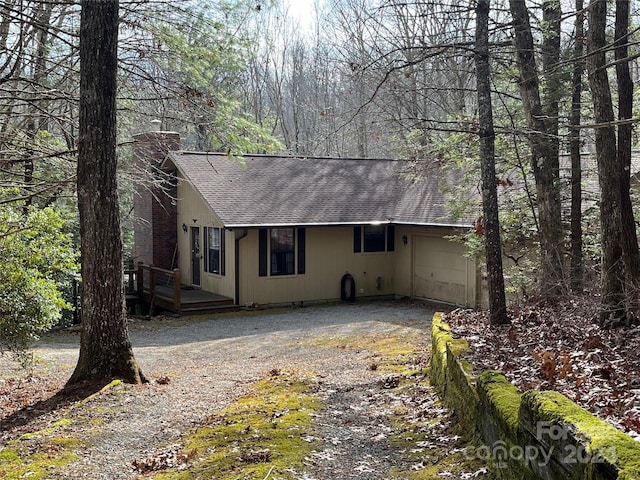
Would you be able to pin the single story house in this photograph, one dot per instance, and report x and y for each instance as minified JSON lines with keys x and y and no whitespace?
{"x":271,"y":230}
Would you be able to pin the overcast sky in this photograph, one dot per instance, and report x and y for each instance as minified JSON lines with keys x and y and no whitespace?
{"x":302,"y":10}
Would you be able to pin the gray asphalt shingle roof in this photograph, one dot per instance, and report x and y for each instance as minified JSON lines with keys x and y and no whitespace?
{"x":277,"y":191}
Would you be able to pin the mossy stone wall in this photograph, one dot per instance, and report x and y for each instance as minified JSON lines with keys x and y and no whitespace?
{"x":532,"y":435}
{"x":452,"y":375}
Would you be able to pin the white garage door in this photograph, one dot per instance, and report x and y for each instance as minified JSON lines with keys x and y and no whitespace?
{"x":439,"y":270}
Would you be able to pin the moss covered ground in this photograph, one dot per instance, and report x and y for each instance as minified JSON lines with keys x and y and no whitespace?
{"x":35,"y":455}
{"x":38,"y":457}
{"x":266,"y":432}
{"x":270,"y":431}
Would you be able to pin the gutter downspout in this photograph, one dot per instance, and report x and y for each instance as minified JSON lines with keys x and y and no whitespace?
{"x":245,"y":232}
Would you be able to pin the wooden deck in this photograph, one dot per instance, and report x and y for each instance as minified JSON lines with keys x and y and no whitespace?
{"x":192,"y":301}
{"x":155,"y":288}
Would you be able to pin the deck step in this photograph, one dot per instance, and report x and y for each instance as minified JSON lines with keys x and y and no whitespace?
{"x":210,"y":310}
{"x":220,"y":303}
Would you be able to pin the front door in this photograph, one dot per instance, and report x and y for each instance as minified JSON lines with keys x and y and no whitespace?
{"x":195,"y":256}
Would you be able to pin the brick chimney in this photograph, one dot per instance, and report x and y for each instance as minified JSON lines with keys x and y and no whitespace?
{"x":155,"y":226}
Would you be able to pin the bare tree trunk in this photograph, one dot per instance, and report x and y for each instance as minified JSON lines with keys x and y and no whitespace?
{"x":544,"y":159}
{"x":577,"y":268}
{"x":551,"y":17}
{"x":612,"y":297}
{"x":493,"y":246}
{"x":630,"y":255}
{"x":105,"y":349}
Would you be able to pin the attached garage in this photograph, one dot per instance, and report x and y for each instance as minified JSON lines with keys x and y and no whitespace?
{"x":441,"y":271}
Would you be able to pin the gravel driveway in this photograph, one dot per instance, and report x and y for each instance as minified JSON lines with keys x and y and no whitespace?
{"x":212,"y":361}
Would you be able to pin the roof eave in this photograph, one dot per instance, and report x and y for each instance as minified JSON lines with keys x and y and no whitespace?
{"x":434,"y":224}
{"x":344,"y":224}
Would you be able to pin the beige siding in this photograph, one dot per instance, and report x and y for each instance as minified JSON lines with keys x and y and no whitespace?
{"x":329,"y":255}
{"x":193,"y":212}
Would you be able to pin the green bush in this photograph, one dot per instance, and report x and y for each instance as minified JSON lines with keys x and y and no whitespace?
{"x":38,"y":263}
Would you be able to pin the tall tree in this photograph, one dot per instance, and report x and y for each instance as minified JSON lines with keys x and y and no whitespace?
{"x":551,"y":19}
{"x":612,"y":287}
{"x":105,"y":349}
{"x":544,"y":155}
{"x":493,"y":247}
{"x":630,"y":254}
{"x":575,"y":148}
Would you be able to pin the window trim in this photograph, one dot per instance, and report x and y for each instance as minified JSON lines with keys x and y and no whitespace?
{"x":359,"y":239}
{"x":291,"y":250}
{"x":374,"y":236}
{"x":265,"y":253}
{"x":221,"y":251}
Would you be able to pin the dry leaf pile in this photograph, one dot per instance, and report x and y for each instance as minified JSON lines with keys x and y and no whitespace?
{"x":32,"y":402}
{"x":561,"y":348}
{"x":170,"y":458}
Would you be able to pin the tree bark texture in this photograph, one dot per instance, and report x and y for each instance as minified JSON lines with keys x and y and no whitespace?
{"x":612,"y":291}
{"x":544,"y":159}
{"x":630,"y":254}
{"x":552,"y":92}
{"x":105,"y":349}
{"x":577,"y":268}
{"x":493,"y":245}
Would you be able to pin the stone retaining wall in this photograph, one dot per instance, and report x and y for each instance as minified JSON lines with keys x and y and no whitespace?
{"x":532,"y":435}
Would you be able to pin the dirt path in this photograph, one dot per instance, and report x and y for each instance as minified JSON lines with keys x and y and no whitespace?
{"x":206,"y":364}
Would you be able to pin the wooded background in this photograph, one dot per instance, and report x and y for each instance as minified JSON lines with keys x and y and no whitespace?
{"x":366,"y":78}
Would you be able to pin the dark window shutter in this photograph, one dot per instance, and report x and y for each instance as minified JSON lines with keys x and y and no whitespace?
{"x":301,"y":251}
{"x":206,"y":249}
{"x":391,"y":238}
{"x":262,"y":252}
{"x":222,"y":251}
{"x":357,"y":239}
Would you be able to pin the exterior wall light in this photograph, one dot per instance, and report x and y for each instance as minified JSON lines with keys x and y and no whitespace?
{"x":405,"y":240}
{"x":184,"y":227}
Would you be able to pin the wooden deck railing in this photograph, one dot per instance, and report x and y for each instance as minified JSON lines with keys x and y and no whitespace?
{"x":152,"y":287}
{"x":147,"y":279}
